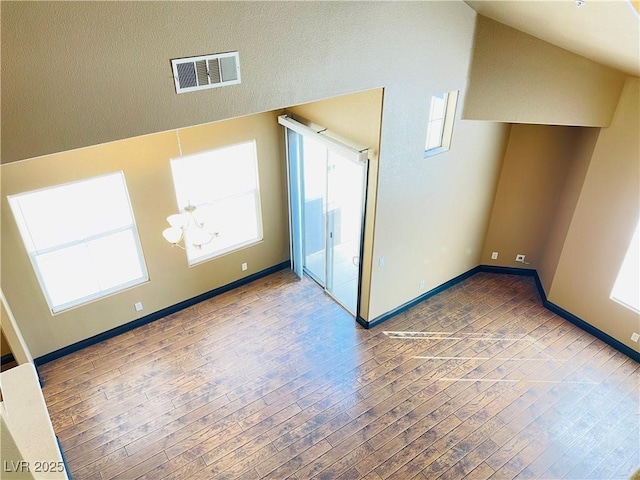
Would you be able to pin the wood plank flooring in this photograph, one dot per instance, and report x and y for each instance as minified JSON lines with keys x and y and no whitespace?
{"x":275,"y":381}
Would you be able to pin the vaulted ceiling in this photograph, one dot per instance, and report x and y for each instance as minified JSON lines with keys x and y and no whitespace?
{"x":606,"y":31}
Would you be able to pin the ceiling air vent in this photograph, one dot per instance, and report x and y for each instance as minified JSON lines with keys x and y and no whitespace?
{"x":207,"y":71}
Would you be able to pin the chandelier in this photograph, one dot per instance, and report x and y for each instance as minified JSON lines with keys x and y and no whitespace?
{"x":187,"y":228}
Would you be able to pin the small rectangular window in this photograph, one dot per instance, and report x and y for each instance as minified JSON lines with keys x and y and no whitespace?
{"x":440,"y":125}
{"x":81,"y":238}
{"x":223,"y":186}
{"x":626,"y":289}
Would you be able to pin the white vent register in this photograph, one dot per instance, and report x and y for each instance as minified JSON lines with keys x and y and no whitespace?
{"x":207,"y":71}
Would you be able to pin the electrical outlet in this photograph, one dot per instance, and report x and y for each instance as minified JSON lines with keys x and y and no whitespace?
{"x":635,"y":336}
{"x":244,"y":266}
{"x":381,"y":261}
{"x":520,"y":258}
{"x":138,"y":306}
{"x":421,"y":285}
{"x":494,"y":255}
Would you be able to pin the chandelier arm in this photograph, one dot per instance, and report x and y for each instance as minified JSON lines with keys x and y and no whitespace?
{"x":211,"y":237}
{"x":186,"y":221}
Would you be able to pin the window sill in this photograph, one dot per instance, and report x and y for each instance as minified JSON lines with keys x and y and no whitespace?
{"x":205,"y":258}
{"x":435,"y":151}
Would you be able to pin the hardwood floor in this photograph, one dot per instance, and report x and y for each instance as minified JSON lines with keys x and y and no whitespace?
{"x":274,"y":380}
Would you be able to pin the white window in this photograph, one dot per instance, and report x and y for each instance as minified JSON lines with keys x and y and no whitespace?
{"x":81,"y":238}
{"x":440,"y":124}
{"x":223,"y":186}
{"x":626,"y":290}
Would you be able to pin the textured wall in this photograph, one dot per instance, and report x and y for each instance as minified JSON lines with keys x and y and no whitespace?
{"x":532,"y":179}
{"x":606,"y":214}
{"x":108,"y":77}
{"x":145,"y":161}
{"x":76,"y":74}
{"x":517,"y":78}
{"x":579,"y":161}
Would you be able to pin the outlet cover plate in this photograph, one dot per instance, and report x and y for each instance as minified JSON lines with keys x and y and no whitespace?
{"x":494,"y":255}
{"x":635,"y":336}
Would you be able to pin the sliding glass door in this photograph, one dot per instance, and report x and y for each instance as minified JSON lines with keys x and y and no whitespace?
{"x":345,"y":183}
{"x":326,"y":196}
{"x":314,"y":168}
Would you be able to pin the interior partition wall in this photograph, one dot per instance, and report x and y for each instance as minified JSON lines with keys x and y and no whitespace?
{"x":327,"y":195}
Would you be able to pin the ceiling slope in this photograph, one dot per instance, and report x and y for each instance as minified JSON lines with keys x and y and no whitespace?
{"x":606,"y":31}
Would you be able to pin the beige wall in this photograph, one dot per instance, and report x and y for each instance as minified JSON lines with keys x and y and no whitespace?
{"x":536,"y":163}
{"x":518,"y":78}
{"x":26,"y":424}
{"x":569,"y":198}
{"x":12,"y":335}
{"x":578,"y":160}
{"x":603,"y":222}
{"x":111,"y":80}
{"x":432,"y":213}
{"x":108,"y":78}
{"x":4,"y":346}
{"x":10,"y":452}
{"x":357,"y":117}
{"x":108,"y":73}
{"x":145,"y":162}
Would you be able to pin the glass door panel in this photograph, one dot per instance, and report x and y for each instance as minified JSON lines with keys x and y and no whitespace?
{"x":296,"y":192}
{"x":326,"y":201}
{"x":315,"y":207}
{"x":345,"y":200}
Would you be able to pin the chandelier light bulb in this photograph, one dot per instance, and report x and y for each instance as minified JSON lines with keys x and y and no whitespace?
{"x":185,"y":226}
{"x":172,"y":234}
{"x":178,"y":220}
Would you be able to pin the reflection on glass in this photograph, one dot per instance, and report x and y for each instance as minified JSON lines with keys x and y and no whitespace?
{"x":345,"y":195}
{"x":315,"y":192}
{"x":328,"y":204}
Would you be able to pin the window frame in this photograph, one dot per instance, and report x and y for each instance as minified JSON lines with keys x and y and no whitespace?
{"x":35,"y":253}
{"x":618,"y":291}
{"x":194,"y":260}
{"x":446,"y":131}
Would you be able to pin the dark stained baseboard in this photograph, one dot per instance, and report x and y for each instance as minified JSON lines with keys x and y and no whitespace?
{"x":434,"y":291}
{"x":621,"y":347}
{"x":8,"y":358}
{"x":64,"y":459}
{"x":157,"y":315}
{"x":529,"y":272}
{"x":561,"y":312}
